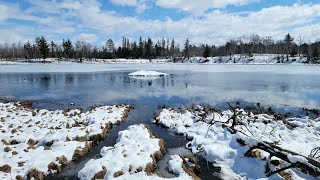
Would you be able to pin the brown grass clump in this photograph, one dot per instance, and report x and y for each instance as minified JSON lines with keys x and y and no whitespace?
{"x":21,"y":163}
{"x":62,"y":160}
{"x":7,"y":149}
{"x":80,"y":152}
{"x":99,"y":137}
{"x":35,"y":174}
{"x":6,"y":168}
{"x":26,"y":104}
{"x":5,"y":142}
{"x":157,"y":155}
{"x":13,"y":142}
{"x":31,"y":142}
{"x":14,"y":130}
{"x":191,"y":170}
{"x":100,"y":174}
{"x":14,"y":152}
{"x":55,"y":167}
{"x":117,"y":174}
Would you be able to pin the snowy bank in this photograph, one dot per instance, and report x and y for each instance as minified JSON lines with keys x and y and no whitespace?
{"x":38,"y":142}
{"x":209,"y":135}
{"x":147,"y":73}
{"x":136,"y":150}
{"x":135,"y":156}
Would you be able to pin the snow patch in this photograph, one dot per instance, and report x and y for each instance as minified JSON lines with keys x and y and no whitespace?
{"x":46,"y":140}
{"x":136,"y":150}
{"x":218,"y":145}
{"x":147,"y":73}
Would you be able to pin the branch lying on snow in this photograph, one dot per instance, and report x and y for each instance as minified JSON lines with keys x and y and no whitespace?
{"x":306,"y":164}
{"x":315,"y":153}
{"x":310,"y":165}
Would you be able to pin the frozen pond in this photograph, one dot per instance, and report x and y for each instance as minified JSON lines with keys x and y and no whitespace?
{"x":57,"y":86}
{"x":296,"y":86}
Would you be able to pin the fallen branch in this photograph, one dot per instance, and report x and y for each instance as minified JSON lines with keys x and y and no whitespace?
{"x":309,"y":166}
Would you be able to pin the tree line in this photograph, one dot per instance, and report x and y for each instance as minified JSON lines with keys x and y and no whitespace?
{"x":147,"y":48}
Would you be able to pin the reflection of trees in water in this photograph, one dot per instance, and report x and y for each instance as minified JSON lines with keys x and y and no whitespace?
{"x":45,"y":81}
{"x":69,"y":80}
{"x":284,"y":87}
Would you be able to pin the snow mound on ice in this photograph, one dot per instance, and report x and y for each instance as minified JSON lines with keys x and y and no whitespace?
{"x":147,"y":73}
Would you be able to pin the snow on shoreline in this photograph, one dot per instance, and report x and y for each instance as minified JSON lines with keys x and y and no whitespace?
{"x":217,"y":144}
{"x":134,"y":156}
{"x":38,"y":142}
{"x":136,"y":150}
{"x":235,"y":59}
{"x":147,"y":73}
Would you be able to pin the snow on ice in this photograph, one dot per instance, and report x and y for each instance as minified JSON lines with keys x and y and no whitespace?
{"x":40,"y":142}
{"x":147,"y":73}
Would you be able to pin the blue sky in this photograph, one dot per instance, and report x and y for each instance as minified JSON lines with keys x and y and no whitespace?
{"x":202,"y":21}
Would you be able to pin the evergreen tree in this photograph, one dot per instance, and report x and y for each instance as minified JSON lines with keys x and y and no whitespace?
{"x":149,"y":48}
{"x":135,"y":53}
{"x":140,"y":51}
{"x":172,"y":48}
{"x":206,"y":52}
{"x":288,"y":40}
{"x":28,"y":50}
{"x":186,"y":49}
{"x":52,"y":47}
{"x":67,"y":48}
{"x":315,"y":54}
{"x":43,"y":46}
{"x":110,"y":46}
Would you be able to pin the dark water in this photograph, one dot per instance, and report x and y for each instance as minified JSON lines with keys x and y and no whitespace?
{"x":58,"y":90}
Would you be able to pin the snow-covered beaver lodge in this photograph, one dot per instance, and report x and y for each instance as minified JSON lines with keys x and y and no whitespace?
{"x":38,"y":142}
{"x":247,"y":145}
{"x":147,"y":73}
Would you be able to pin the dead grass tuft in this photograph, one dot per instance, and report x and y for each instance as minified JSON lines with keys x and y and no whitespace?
{"x":6,"y":168}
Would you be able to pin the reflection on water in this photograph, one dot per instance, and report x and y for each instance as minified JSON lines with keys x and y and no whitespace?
{"x":183,"y":87}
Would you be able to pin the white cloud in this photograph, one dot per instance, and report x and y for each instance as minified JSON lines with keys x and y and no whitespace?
{"x":3,"y":13}
{"x":198,"y":7}
{"x":140,"y":5}
{"x":88,"y":38}
{"x":215,"y":27}
{"x":125,"y":2}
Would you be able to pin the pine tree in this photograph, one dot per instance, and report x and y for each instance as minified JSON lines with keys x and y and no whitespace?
{"x":140,"y":51}
{"x":67,"y":48}
{"x":172,"y":48}
{"x":52,"y":46}
{"x":206,"y":52}
{"x":186,"y":49}
{"x":288,"y":40}
{"x":149,"y":48}
{"x":28,"y":50}
{"x":110,"y":46}
{"x":43,"y":46}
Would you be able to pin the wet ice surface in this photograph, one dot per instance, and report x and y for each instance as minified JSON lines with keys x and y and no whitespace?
{"x":276,"y":86}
